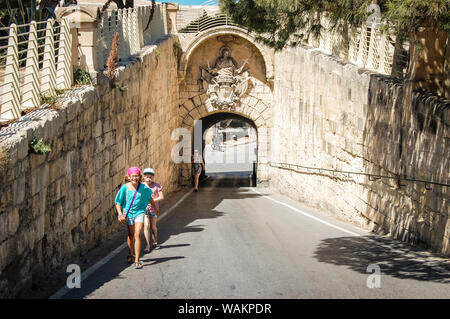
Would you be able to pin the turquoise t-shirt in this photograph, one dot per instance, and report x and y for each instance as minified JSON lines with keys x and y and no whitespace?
{"x":124,"y":197}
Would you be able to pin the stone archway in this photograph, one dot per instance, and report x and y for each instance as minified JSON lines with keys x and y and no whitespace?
{"x":250,"y":108}
{"x":251,"y":62}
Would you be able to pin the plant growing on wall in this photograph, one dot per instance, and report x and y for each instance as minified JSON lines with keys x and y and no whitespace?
{"x":82,"y":77}
{"x":113,"y":57}
{"x":111,"y":63}
{"x":38,"y":147}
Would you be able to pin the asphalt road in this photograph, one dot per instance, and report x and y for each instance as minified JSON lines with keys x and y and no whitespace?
{"x":229,"y":241}
{"x":233,"y":158}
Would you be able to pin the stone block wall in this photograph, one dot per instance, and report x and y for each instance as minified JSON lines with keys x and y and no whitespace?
{"x":335,"y":116}
{"x":57,"y":206}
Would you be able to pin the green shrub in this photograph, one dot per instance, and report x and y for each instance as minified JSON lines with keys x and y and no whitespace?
{"x":120,"y":88}
{"x":82,"y":77}
{"x":47,"y":99}
{"x":39,"y":147}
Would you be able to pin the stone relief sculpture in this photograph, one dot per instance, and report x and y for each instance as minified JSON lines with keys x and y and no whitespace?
{"x":225,"y":82}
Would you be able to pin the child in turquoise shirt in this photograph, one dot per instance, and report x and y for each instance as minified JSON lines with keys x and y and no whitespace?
{"x":136,"y":212}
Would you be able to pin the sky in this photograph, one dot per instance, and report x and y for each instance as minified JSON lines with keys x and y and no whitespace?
{"x":189,"y":2}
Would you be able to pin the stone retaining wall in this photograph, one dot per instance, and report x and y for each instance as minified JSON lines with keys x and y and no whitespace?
{"x":57,"y":206}
{"x":335,"y":116}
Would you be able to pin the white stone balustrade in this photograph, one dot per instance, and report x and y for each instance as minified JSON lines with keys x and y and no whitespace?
{"x":376,"y":51}
{"x":10,"y":108}
{"x":40,"y":57}
{"x":368,"y":48}
{"x":36,"y":61}
{"x":130,"y":24}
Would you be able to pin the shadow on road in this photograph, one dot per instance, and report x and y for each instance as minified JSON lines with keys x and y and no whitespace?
{"x":158,"y":260}
{"x":395,"y":258}
{"x":197,"y":206}
{"x":202,"y":204}
{"x":172,"y":246}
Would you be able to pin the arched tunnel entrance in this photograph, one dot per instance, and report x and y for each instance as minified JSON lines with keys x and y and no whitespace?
{"x":229,"y":149}
{"x":208,"y":95}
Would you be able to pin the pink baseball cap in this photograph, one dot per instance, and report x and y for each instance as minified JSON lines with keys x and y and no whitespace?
{"x":133,"y":170}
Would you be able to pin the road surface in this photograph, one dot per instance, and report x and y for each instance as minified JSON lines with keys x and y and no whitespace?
{"x":230,"y":241}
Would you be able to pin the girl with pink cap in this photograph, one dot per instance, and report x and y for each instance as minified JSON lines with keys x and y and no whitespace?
{"x":131,"y":203}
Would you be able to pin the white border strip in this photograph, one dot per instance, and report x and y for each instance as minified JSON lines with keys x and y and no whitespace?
{"x":60,"y":293}
{"x":308,"y":215}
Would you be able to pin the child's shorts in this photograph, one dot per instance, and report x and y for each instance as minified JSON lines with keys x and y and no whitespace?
{"x":151,"y":214}
{"x":136,"y":219}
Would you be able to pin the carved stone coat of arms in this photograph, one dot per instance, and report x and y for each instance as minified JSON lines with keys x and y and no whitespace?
{"x":225,"y":82}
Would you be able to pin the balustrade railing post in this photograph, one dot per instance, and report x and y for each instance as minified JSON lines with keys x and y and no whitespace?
{"x":121,"y":22}
{"x":329,"y":42}
{"x":31,"y":80}
{"x":164,"y":18}
{"x":130,"y":35}
{"x":134,"y":31}
{"x":396,"y":58}
{"x":325,"y":39}
{"x":140,"y":16}
{"x":48,"y":75}
{"x":310,"y":41}
{"x":123,"y":40}
{"x":353,"y":48}
{"x":362,"y":47}
{"x":10,"y":108}
{"x":64,"y":68}
{"x":147,"y":33}
{"x":383,"y":65}
{"x":372,"y":56}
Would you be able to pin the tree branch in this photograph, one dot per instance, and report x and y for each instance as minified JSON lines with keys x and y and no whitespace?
{"x":152,"y":11}
{"x":119,"y":4}
{"x":105,"y":6}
